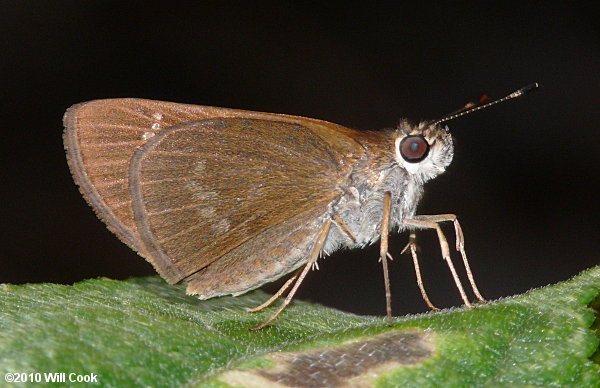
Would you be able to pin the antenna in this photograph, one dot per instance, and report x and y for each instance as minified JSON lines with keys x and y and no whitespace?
{"x":481,"y":104}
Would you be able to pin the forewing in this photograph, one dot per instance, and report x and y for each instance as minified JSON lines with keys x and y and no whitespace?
{"x":203,"y":189}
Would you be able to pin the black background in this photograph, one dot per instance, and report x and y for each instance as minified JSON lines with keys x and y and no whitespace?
{"x":525,"y":175}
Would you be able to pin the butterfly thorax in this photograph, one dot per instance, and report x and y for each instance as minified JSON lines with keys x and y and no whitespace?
{"x":360,"y":209}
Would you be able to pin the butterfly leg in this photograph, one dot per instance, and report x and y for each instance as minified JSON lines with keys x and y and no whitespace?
{"x":423,"y":223}
{"x":460,"y":245}
{"x":412,"y":246}
{"x":383,"y":251}
{"x":272,"y":299}
{"x":343,"y":227}
{"x":287,"y":284}
{"x":314,"y":255}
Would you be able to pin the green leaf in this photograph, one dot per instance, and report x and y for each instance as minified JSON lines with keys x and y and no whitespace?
{"x":144,"y":332}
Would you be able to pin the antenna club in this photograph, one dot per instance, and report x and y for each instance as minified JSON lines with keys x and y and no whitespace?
{"x":531,"y":87}
{"x":525,"y":89}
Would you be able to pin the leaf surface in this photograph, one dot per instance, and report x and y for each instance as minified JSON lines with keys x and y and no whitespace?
{"x":144,"y":332}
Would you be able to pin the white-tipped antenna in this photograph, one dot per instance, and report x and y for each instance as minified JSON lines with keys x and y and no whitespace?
{"x":474,"y":107}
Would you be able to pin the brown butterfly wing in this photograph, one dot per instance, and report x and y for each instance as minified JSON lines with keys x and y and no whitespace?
{"x":204,"y":189}
{"x":101,"y":137}
{"x":269,"y":255}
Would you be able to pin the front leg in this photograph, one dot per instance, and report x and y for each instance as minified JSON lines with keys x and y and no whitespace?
{"x":460,"y":245}
{"x":412,"y":247}
{"x":427,"y":224}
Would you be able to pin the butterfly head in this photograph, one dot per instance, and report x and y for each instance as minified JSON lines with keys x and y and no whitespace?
{"x":423,"y":150}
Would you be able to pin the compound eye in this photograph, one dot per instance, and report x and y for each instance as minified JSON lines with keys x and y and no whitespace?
{"x":414,"y":148}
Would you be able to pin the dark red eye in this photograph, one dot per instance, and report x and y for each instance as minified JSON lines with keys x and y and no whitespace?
{"x":414,"y":148}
